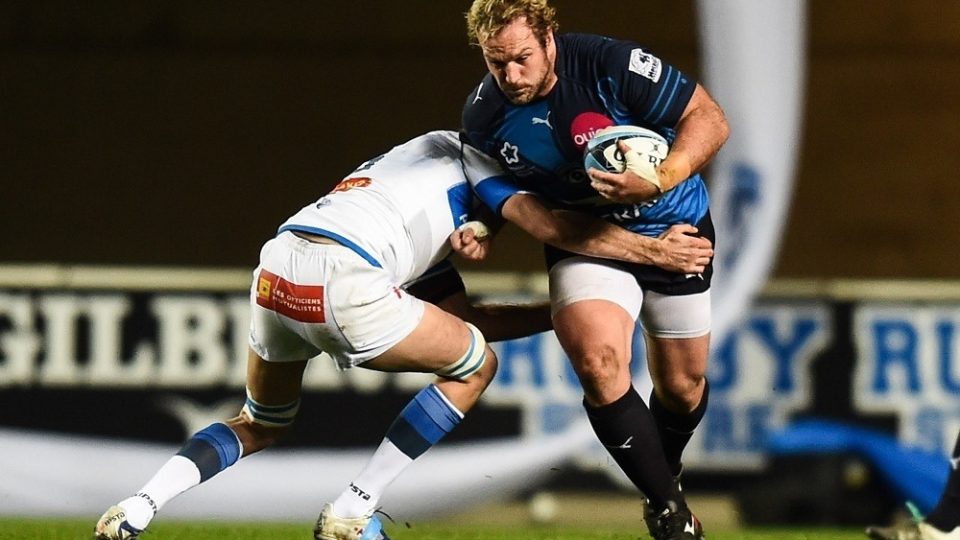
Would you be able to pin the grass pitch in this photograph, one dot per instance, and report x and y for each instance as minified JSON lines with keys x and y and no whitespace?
{"x":62,"y":529}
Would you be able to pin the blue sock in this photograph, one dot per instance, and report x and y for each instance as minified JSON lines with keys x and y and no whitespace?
{"x":423,"y":422}
{"x":212,"y":449}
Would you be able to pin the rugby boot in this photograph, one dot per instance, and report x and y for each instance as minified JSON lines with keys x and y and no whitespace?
{"x":676,"y":523}
{"x":113,"y":526}
{"x":333,"y":527}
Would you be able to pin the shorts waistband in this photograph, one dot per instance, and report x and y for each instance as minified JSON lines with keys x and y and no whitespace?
{"x":314,"y":235}
{"x":315,"y":238}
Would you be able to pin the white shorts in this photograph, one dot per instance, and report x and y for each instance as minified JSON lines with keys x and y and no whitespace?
{"x":308,"y":297}
{"x":665,"y":316}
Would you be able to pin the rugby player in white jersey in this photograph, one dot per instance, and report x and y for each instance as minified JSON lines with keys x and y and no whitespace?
{"x":333,"y":280}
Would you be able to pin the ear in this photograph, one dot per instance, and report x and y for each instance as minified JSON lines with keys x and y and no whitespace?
{"x":549,"y":43}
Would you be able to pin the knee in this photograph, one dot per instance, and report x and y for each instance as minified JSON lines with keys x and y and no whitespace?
{"x":484,"y":376}
{"x":490,"y":365}
{"x":478,"y":364}
{"x":259,"y":425}
{"x":599,"y":368}
{"x":681,"y":392}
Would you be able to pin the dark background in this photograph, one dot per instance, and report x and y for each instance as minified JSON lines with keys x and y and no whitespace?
{"x":172,"y":132}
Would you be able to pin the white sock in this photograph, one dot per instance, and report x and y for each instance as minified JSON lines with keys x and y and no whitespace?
{"x":421,"y":424}
{"x":177,"y":475}
{"x":363,"y":494}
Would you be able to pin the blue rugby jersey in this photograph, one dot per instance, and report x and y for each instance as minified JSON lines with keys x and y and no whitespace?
{"x":601,"y":82}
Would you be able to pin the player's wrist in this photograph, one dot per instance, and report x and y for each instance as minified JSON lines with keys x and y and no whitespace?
{"x":651,"y":250}
{"x":674,"y":169}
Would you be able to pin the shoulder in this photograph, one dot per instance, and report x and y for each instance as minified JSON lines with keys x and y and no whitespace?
{"x":483,"y":109}
{"x":435,"y":143}
{"x":582,"y":45}
{"x":484,"y":103}
{"x":591,"y":47}
{"x":594,"y":57}
{"x":624,"y":60}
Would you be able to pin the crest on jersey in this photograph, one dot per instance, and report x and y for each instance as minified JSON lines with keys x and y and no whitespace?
{"x":510,"y":153}
{"x":645,"y":64}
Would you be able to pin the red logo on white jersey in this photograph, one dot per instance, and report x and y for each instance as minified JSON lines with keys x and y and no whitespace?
{"x":302,"y":303}
{"x":586,"y":125}
{"x":350,"y":183}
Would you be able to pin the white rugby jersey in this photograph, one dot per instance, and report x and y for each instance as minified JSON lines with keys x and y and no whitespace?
{"x":399,"y":209}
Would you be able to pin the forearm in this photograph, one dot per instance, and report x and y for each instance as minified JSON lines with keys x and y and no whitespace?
{"x":588,"y":235}
{"x":500,"y":322}
{"x":579,"y":233}
{"x":700,"y":133}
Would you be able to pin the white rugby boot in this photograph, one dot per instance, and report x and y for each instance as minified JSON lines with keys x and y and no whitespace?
{"x":113,"y":526}
{"x":332,"y":527}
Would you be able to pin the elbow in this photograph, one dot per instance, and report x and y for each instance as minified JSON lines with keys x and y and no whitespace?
{"x":554,"y":238}
{"x":724,"y":130}
{"x":547,"y":232}
{"x":723,"y":127}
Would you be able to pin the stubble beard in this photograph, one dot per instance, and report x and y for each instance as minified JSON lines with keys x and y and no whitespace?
{"x":528,"y":93}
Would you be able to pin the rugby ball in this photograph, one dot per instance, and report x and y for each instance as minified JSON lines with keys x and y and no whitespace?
{"x":603,"y":153}
{"x":479,"y":228}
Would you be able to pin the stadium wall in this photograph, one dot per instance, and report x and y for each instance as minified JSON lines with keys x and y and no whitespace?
{"x":872,"y":351}
{"x":182,"y":133}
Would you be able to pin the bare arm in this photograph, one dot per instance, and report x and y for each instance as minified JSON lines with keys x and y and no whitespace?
{"x":499,"y":322}
{"x":576,"y":232}
{"x":701,"y":132}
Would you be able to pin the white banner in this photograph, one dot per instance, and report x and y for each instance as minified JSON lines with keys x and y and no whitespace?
{"x":754,"y":53}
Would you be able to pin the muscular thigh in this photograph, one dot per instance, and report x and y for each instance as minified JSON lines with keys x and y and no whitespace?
{"x":676,"y":363}
{"x":676,"y":316}
{"x":575,"y":279}
{"x":594,"y":306}
{"x":273,"y":383}
{"x":438,"y":340}
{"x":677,"y":329}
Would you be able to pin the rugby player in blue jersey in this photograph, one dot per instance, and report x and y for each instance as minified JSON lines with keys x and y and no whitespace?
{"x":545,"y":96}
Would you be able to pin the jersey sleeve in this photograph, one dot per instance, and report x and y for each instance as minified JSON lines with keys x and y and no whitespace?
{"x":487,"y":178}
{"x":652,"y":90}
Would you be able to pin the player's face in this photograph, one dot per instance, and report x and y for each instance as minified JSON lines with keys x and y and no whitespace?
{"x":522,"y":66}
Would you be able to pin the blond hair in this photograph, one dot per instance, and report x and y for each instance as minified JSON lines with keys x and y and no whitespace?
{"x":486,"y":18}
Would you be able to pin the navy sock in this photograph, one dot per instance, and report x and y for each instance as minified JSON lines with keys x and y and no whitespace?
{"x":626,"y":428}
{"x":676,"y":429}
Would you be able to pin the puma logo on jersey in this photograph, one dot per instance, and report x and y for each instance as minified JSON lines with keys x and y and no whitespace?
{"x":690,"y":527}
{"x":543,"y":121}
{"x":478,"y":97}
